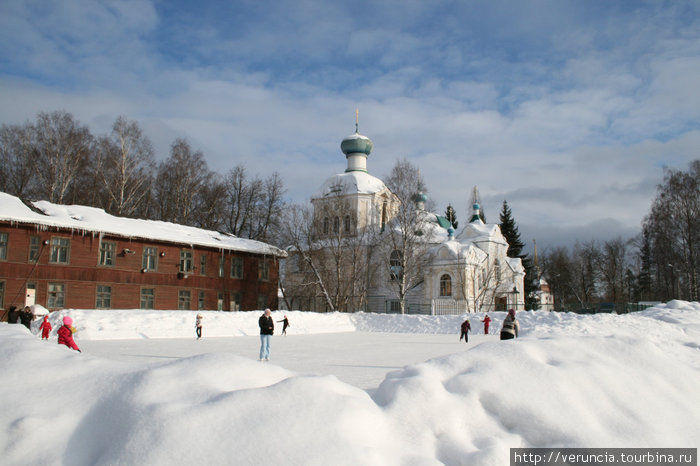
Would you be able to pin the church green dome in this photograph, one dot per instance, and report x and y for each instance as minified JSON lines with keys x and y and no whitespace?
{"x":356,"y":143}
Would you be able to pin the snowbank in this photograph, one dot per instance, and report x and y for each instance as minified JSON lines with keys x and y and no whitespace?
{"x":570,"y":381}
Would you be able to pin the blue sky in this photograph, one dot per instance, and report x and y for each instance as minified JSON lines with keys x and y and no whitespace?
{"x":566,"y":109}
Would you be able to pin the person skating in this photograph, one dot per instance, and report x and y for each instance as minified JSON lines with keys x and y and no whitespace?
{"x":65,"y":334}
{"x":198,"y":326}
{"x":466,"y":327}
{"x":285,"y":324}
{"x":267,"y":329}
{"x":510,"y":326}
{"x":45,"y":328}
{"x":486,"y":321}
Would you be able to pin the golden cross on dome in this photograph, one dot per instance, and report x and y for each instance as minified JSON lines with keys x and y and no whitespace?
{"x":357,"y":120}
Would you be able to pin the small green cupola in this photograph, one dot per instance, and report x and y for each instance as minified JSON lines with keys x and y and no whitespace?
{"x":475,"y":215}
{"x":420,"y":198}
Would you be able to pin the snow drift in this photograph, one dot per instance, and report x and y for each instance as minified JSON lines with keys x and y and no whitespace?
{"x":570,"y":381}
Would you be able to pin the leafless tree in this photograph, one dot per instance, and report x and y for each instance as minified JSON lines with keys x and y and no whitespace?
{"x":304,"y":275}
{"x":179,"y":180}
{"x":62,"y":149}
{"x":583,"y":271}
{"x":612,"y":265}
{"x":126,"y":167}
{"x":405,"y":241}
{"x":674,"y":227}
{"x":16,"y":159}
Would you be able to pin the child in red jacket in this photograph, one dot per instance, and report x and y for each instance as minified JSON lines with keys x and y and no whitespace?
{"x":45,"y":328}
{"x":486,"y":321}
{"x":65,"y":334}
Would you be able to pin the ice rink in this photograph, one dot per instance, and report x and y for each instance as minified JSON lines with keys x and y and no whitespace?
{"x":361,"y":359}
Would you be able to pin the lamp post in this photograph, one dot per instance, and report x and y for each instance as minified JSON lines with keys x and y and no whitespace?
{"x":515,"y":297}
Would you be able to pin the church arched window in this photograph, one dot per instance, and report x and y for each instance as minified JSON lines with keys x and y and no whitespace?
{"x":326,"y":225}
{"x":445,"y":285}
{"x":336,"y":225}
{"x":395,"y":265}
{"x":346,"y":224}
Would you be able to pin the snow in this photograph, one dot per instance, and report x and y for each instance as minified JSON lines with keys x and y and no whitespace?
{"x":355,"y":182}
{"x":95,"y":221}
{"x":144,"y":391}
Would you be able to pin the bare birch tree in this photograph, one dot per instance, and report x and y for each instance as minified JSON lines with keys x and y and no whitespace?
{"x":405,"y":242}
{"x":62,"y":148}
{"x":16,"y":160}
{"x":179,"y":180}
{"x":304,"y":270}
{"x":127,"y":167}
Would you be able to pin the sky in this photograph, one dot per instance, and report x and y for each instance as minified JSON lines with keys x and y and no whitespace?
{"x":568,"y":110}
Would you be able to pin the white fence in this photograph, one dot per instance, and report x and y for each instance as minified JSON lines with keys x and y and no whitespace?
{"x":448,"y":306}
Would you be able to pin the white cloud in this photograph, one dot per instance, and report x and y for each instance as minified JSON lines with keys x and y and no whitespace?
{"x":570,"y":133}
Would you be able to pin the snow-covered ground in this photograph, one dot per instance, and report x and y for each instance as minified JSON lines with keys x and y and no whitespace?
{"x":144,"y":391}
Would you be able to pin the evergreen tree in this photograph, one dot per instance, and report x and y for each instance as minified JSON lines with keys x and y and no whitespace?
{"x":451,"y":216}
{"x":510,"y":231}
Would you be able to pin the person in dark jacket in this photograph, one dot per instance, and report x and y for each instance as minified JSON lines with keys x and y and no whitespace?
{"x":26,"y":317}
{"x":466,"y":327}
{"x":65,"y":334}
{"x":285,"y":324}
{"x":267,"y":328}
{"x":510,"y":326}
{"x":12,"y":315}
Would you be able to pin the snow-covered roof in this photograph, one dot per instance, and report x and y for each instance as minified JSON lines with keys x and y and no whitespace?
{"x":478,"y":230}
{"x":94,"y":220}
{"x":355,"y":182}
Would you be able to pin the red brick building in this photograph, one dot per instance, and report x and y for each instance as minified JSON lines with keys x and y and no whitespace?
{"x":83,"y":258}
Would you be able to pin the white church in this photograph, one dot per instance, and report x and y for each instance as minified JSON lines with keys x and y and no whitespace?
{"x":460,"y":271}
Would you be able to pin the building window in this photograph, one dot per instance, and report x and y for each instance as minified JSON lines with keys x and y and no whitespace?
{"x":34,"y":248}
{"x":326,"y":225}
{"x":104,"y":297}
{"x":497,"y":266}
{"x":60,"y":250}
{"x":200,"y":302}
{"x":183,"y":300}
{"x":2,"y":295}
{"x":203,"y":264}
{"x":346,"y":224}
{"x":148,"y":298}
{"x":262,"y":301}
{"x":395,"y":306}
{"x":263,"y":270}
{"x":107,"y":250}
{"x":57,"y":295}
{"x":222,"y":266}
{"x":235,"y":302}
{"x":395,"y":267}
{"x":219,"y":301}
{"x":445,"y":285}
{"x":150,"y":258}
{"x":384,"y":215}
{"x":186,"y":261}
{"x":4,"y":237}
{"x":336,"y":225}
{"x":236,"y":267}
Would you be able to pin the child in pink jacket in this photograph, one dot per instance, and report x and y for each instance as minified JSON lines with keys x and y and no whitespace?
{"x":65,"y":334}
{"x":45,"y":328}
